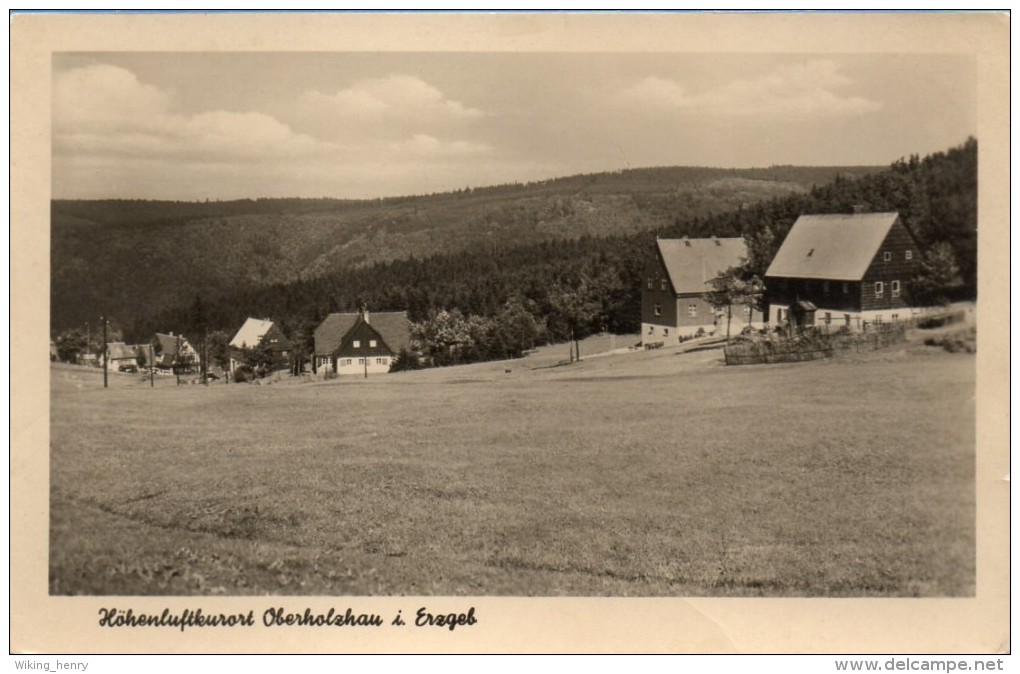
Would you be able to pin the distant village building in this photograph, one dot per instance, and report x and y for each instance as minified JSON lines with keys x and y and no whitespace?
{"x":174,"y":350}
{"x":119,"y":354}
{"x":675,"y":279}
{"x":345,"y":341}
{"x":259,"y":332}
{"x":843,"y":270}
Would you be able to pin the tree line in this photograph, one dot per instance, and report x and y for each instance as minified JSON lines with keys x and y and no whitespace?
{"x":499,"y":301}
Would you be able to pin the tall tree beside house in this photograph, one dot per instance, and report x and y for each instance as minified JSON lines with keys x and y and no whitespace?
{"x":577,"y":306}
{"x":217,"y":345}
{"x":735,"y":286}
{"x":938,"y":272}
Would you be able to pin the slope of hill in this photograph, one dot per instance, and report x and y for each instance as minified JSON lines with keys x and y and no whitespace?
{"x":131,"y":259}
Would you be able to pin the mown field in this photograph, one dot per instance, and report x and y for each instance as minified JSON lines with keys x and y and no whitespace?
{"x":643,"y":473}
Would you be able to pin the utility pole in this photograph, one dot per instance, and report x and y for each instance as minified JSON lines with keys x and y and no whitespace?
{"x":205,"y":360}
{"x":177,"y":361}
{"x":152,"y":368}
{"x":106,"y":353}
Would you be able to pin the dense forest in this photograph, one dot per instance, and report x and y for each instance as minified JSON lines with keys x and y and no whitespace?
{"x":132,"y":259}
{"x":498,"y":299}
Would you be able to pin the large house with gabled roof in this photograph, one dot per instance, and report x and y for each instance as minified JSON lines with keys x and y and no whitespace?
{"x":843,"y":269}
{"x":674,"y":281}
{"x":360,"y":343}
{"x":259,"y":332}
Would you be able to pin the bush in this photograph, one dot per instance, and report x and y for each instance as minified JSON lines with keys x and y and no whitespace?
{"x":243,"y":374}
{"x":957,"y":342}
{"x":329,"y":374}
{"x":405,"y":360}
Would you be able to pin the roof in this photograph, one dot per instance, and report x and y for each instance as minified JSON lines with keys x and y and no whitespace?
{"x":119,"y":350}
{"x":168,"y":343}
{"x":251,"y":333}
{"x":692,"y":263}
{"x":838,"y":247}
{"x":393,"y":327}
{"x":331,"y":332}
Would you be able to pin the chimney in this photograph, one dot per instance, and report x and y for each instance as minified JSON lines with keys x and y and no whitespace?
{"x":365,"y":314}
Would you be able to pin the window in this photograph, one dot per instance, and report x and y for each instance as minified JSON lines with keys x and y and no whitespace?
{"x":380,"y":361}
{"x":887,"y":256}
{"x":664,"y":284}
{"x":895,"y":288}
{"x":895,"y":317}
{"x":371,"y":343}
{"x":651,"y":329}
{"x":878,"y":319}
{"x":879,"y":289}
{"x":909,"y":255}
{"x":828,"y":318}
{"x":357,"y":344}
{"x":846,"y":317}
{"x":361,"y":361}
{"x":348,"y":361}
{"x":846,"y":288}
{"x":658,"y":309}
{"x":651,"y":283}
{"x":665,"y":332}
{"x":692,"y":310}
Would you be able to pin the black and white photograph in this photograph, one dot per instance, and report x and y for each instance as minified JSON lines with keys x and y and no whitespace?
{"x":490,"y":322}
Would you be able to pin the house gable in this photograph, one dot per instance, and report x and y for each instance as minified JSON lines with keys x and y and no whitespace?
{"x":330,"y":333}
{"x":362,"y":341}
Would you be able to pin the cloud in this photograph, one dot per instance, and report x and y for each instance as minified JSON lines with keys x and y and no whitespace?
{"x":106,"y":110}
{"x":396,"y":96}
{"x":799,"y":90}
{"x":424,"y":145}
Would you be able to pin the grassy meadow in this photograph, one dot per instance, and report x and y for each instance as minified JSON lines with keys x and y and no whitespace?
{"x":628,"y":474}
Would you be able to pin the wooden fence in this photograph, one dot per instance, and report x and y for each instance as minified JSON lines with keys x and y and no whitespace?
{"x":812,"y":345}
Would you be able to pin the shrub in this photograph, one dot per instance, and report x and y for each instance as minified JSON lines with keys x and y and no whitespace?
{"x":329,"y":374}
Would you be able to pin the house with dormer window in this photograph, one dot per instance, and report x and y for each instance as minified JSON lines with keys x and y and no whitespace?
{"x":843,"y":269}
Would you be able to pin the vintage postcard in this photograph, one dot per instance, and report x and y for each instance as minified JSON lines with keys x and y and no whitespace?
{"x":455,"y":332}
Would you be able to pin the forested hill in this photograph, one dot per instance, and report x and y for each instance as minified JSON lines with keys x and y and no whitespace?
{"x":134,"y":259}
{"x":936,"y":196}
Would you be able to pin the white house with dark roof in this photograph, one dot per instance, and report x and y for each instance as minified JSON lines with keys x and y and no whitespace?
{"x":674,"y":280}
{"x":843,"y":269}
{"x":361,"y":343}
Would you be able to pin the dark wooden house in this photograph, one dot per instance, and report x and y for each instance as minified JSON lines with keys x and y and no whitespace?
{"x":844,"y":269}
{"x":260,"y":332}
{"x":674,"y":280}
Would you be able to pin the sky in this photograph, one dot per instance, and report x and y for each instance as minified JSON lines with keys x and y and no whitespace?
{"x":195,"y":126}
